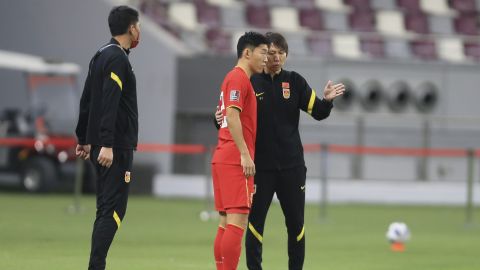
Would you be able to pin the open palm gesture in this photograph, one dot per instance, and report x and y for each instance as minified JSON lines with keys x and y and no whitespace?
{"x":331,"y":91}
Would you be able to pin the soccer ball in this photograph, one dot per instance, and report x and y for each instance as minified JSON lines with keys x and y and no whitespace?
{"x":398,"y":232}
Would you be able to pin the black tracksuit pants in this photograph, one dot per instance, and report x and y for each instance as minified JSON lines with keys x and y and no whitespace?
{"x":289,"y":185}
{"x":112,"y":196}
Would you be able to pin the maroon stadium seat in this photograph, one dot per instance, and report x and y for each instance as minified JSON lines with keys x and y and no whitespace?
{"x":358,"y":4}
{"x":472,"y":50}
{"x":218,"y":40}
{"x":320,"y":45}
{"x":463,"y":5}
{"x":373,"y":46}
{"x":424,"y":49}
{"x":311,"y":18}
{"x":409,"y":5}
{"x":362,"y":20}
{"x":466,"y":24}
{"x":258,"y":16}
{"x":256,"y":2}
{"x":207,"y":14}
{"x":417,"y":22}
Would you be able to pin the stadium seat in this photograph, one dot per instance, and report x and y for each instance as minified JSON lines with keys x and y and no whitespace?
{"x":222,"y":3}
{"x":424,"y":49}
{"x":390,"y":22}
{"x":397,"y":48}
{"x":472,"y":50}
{"x":296,"y":44}
{"x":335,"y":20}
{"x":451,"y":49}
{"x":416,"y":22}
{"x":372,"y":46}
{"x":282,"y":3}
{"x":463,"y":5}
{"x":258,"y":16}
{"x":219,"y":40}
{"x":311,"y":18}
{"x":208,"y":14}
{"x":233,"y":16}
{"x":439,"y":7}
{"x":362,"y":21}
{"x":358,"y":4}
{"x":256,"y":2}
{"x":183,"y":14}
{"x":409,"y":5}
{"x":440,"y":24}
{"x":320,"y":45}
{"x":383,"y":4}
{"x":346,"y":46}
{"x":466,"y":24}
{"x":334,"y":5}
{"x":284,"y":18}
{"x":303,"y":4}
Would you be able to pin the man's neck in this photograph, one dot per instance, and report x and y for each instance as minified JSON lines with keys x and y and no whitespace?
{"x":124,"y":41}
{"x":272,"y":73}
{"x":244,"y":66}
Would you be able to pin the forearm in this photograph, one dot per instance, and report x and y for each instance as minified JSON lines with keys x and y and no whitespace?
{"x":321,"y":109}
{"x":235,"y":128}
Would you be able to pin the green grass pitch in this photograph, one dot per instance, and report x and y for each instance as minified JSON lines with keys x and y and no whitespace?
{"x":38,"y":233}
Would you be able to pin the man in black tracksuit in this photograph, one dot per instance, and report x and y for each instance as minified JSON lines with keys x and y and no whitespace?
{"x":279,"y":163}
{"x":107,"y":128}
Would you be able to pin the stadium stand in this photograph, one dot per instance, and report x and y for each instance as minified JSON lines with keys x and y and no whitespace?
{"x":441,"y":30}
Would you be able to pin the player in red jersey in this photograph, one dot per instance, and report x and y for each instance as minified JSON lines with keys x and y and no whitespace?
{"x":232,"y":164}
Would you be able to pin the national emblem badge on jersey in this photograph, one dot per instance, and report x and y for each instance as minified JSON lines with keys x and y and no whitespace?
{"x":127,"y":177}
{"x":234,"y":95}
{"x":286,"y":90}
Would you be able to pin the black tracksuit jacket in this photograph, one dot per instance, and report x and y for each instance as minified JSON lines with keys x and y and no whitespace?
{"x":108,"y":106}
{"x":279,"y":101}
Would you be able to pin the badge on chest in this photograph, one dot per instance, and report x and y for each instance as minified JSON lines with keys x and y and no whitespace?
{"x":286,"y":90}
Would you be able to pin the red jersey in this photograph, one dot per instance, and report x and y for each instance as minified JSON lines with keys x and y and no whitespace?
{"x":236,"y":91}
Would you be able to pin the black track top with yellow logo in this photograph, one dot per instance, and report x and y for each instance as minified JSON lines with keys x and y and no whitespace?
{"x":279,"y":101}
{"x":108,"y":106}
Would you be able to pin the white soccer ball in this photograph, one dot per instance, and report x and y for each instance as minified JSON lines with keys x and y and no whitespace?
{"x":398,"y":232}
{"x":204,"y":216}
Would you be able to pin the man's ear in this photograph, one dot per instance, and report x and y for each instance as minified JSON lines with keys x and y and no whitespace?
{"x":247,"y":53}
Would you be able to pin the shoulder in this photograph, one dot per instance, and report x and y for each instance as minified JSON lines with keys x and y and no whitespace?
{"x":295,"y":76}
{"x":237,"y":77}
{"x":114,"y":54}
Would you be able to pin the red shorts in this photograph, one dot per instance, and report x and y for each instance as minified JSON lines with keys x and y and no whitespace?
{"x":232,"y":190}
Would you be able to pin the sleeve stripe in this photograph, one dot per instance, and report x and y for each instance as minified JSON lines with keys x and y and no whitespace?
{"x":116,"y":79}
{"x":233,"y":106}
{"x":311,"y":102}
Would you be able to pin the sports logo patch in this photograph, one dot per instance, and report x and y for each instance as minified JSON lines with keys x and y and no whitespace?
{"x":285,"y":85}
{"x":234,"y":95}
{"x":127,"y":177}
{"x":286,"y":93}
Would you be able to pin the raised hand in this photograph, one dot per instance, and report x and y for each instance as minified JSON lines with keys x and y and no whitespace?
{"x":331,"y":91}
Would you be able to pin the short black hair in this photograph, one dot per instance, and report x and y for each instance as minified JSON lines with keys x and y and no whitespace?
{"x":120,"y":18}
{"x":250,"y":40}
{"x":278,"y":40}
